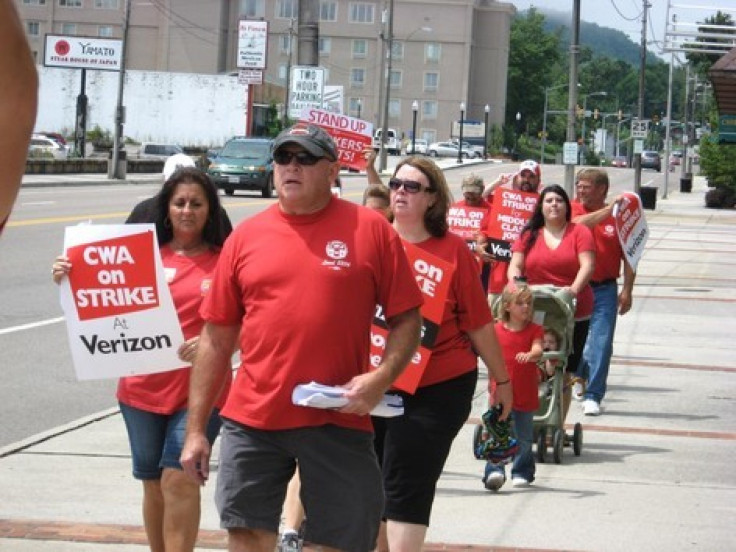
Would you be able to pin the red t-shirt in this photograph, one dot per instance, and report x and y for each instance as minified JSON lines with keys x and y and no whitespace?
{"x":608,"y":252}
{"x":466,"y":308}
{"x":305,"y":289}
{"x":189,"y":280}
{"x":559,"y":266}
{"x":524,"y":377}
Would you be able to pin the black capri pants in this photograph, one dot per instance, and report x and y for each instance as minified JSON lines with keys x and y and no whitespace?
{"x":413,"y":448}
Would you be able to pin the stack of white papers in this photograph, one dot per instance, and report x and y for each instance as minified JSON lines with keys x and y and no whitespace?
{"x":316,"y":395}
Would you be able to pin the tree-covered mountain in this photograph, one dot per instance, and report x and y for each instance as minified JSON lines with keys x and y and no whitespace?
{"x":601,"y":41}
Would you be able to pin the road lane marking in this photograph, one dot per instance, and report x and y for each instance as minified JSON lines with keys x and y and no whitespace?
{"x":31,"y":325}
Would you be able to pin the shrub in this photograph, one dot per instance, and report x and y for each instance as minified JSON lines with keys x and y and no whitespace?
{"x":720,"y":198}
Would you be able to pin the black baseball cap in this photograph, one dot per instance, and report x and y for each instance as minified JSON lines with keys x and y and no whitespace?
{"x":312,"y":138}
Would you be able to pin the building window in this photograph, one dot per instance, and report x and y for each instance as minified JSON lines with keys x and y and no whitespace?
{"x":325,"y":46}
{"x":285,"y":43}
{"x":104,"y":31}
{"x":394,"y":109}
{"x":429,"y":135}
{"x":355,"y":107}
{"x":33,"y":28}
{"x":328,"y":10}
{"x":107,"y":4}
{"x":395,"y":79}
{"x":431,"y":81}
{"x":357,"y":78}
{"x":429,"y":109}
{"x":253,"y":8}
{"x":283,"y":70}
{"x":70,"y":3}
{"x":361,"y":12}
{"x":360,"y":49}
{"x":432,"y":52}
{"x":287,"y":9}
{"x":68,"y":28}
{"x":397,"y":50}
{"x":34,"y":2}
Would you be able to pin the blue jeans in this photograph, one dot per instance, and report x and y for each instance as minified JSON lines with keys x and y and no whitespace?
{"x":522,"y":427}
{"x":599,"y":345}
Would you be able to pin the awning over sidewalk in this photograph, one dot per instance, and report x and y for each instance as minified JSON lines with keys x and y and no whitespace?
{"x":723,"y":76}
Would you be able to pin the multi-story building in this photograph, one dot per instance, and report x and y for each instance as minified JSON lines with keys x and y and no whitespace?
{"x":444,"y":52}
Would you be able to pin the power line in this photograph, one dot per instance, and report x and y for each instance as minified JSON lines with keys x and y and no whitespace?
{"x":615,"y":7}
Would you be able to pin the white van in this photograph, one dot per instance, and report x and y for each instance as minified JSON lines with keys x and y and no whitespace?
{"x":393,"y":142}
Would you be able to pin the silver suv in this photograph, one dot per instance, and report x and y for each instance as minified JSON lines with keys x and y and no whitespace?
{"x":651,"y":160}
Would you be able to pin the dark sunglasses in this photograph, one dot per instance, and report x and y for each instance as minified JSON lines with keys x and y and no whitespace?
{"x":283,"y":157}
{"x":410,"y":186}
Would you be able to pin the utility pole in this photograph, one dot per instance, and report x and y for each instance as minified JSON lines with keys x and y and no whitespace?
{"x":572,"y":94}
{"x":642,"y":80}
{"x":308,"y":29}
{"x":287,"y":99}
{"x":389,"y":41}
{"x":114,"y":171}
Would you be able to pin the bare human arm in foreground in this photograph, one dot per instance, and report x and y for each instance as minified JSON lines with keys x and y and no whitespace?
{"x":486,"y":345}
{"x":365,"y":391}
{"x":18,"y":100}
{"x":211,"y":367}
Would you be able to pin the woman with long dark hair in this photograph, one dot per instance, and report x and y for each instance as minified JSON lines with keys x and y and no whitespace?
{"x":154,"y":406}
{"x":553,"y":250}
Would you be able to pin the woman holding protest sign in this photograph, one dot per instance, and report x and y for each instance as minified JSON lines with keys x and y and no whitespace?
{"x":413,"y":448}
{"x":154,"y":406}
{"x":553,"y":250}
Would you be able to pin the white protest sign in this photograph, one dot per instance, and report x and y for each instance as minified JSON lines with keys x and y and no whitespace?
{"x":631,"y":227}
{"x":120,"y":317}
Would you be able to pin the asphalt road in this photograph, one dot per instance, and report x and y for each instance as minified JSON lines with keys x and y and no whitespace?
{"x":39,"y":389}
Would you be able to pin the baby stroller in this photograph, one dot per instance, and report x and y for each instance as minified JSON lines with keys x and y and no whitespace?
{"x":555,"y":309}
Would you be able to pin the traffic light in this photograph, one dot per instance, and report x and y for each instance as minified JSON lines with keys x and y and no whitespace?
{"x":595,"y":114}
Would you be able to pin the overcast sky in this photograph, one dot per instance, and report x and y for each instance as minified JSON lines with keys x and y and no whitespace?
{"x":625,"y":15}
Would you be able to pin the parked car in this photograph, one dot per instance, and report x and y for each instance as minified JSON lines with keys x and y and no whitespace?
{"x":447,"y":149}
{"x":651,"y":160}
{"x":620,"y":161}
{"x":150,"y":150}
{"x":243,"y":164}
{"x":473,"y":151}
{"x":44,"y":146}
{"x":393,"y":142}
{"x":420,"y":146}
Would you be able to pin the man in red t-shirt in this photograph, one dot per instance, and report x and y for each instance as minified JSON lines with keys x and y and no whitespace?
{"x":527,"y":179}
{"x":299,"y":283}
{"x":591,"y":210}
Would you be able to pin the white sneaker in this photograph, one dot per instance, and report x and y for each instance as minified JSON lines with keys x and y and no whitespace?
{"x":578,"y":391}
{"x":494,"y":481}
{"x":519,"y":481}
{"x":591,"y":408}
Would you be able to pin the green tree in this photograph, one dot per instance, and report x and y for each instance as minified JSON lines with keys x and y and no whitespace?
{"x":534,"y":58}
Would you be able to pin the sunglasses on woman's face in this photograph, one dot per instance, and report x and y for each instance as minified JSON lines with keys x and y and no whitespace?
{"x":410,"y":186}
{"x":284,"y":157}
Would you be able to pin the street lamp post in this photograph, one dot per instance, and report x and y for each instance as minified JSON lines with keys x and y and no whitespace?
{"x":544,"y":120}
{"x":487,"y":110}
{"x":460,"y":144}
{"x":585,"y":115}
{"x":360,"y":105}
{"x":414,"y":109}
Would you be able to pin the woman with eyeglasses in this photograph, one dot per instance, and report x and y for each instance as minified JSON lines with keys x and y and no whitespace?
{"x":413,"y":448}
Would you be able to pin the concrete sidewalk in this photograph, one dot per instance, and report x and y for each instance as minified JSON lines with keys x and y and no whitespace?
{"x":655,"y":473}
